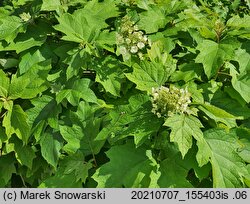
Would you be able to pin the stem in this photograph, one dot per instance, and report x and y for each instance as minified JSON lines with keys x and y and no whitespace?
{"x":23,"y":181}
{"x":223,"y":73}
{"x":92,"y":152}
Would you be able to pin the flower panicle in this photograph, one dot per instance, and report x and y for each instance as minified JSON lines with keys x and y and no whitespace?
{"x":168,"y":101}
{"x":130,"y":40}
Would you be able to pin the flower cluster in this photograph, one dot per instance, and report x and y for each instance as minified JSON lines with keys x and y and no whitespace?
{"x":25,"y":16}
{"x":169,"y":101}
{"x":130,"y":39}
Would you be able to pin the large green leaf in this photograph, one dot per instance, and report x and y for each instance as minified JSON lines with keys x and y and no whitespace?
{"x":73,"y":136}
{"x":50,"y":148}
{"x":228,"y":168}
{"x":10,"y":26}
{"x":183,"y":129}
{"x":109,"y":74}
{"x":3,"y":136}
{"x":241,"y":83}
{"x":240,"y":76}
{"x":134,"y":119}
{"x":61,"y":180}
{"x":30,"y":59}
{"x":85,"y":24}
{"x":244,"y":141}
{"x":76,"y":163}
{"x":243,"y":58}
{"x":25,"y":154}
{"x":81,"y":135}
{"x":122,"y":170}
{"x":34,"y":36}
{"x":18,"y":86}
{"x":49,"y":5}
{"x":45,"y":109}
{"x":97,"y":12}
{"x":79,"y":89}
{"x":239,"y":26}
{"x":75,"y":27}
{"x":151,"y":25}
{"x":231,"y":105}
{"x":148,"y":75}
{"x":213,"y":55}
{"x":219,"y":115}
{"x":16,"y":121}
{"x":237,"y":22}
{"x":175,"y":169}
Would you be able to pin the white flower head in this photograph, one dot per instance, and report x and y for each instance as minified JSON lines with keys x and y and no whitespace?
{"x":169,"y":101}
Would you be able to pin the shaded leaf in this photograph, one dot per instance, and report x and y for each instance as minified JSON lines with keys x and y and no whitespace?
{"x":128,"y":172}
{"x":227,"y":166}
{"x":50,"y":148}
{"x":16,"y":122}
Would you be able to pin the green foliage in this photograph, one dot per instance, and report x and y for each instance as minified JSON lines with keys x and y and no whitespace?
{"x":113,"y":93}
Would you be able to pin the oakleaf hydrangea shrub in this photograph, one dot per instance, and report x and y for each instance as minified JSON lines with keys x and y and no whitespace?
{"x":124,"y":93}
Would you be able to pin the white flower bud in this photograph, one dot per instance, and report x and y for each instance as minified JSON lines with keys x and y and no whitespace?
{"x":134,"y":49}
{"x":128,"y":41}
{"x":25,"y":16}
{"x":123,"y":50}
{"x":136,"y":27}
{"x":140,"y":45}
{"x":145,"y":38}
{"x":119,"y":39}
